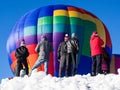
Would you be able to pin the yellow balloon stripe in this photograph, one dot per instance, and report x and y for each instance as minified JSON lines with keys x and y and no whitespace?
{"x":112,"y":65}
{"x":60,"y":13}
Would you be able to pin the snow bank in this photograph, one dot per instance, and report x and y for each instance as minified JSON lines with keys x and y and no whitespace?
{"x":40,"y":81}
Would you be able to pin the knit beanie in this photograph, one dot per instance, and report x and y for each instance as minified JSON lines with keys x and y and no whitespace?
{"x":66,"y":37}
{"x":22,"y":42}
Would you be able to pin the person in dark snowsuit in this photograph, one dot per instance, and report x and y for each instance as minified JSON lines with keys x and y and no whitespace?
{"x":21,"y":54}
{"x":105,"y":62}
{"x":72,"y":51}
{"x":96,"y":52}
{"x":44,"y":48}
{"x":62,"y":55}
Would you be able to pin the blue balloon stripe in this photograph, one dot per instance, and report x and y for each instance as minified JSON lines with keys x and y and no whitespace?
{"x":31,"y":30}
{"x":61,"y":28}
{"x":31,"y":18}
{"x":60,"y":7}
{"x":45,"y":28}
{"x":46,"y":11}
{"x":85,"y":62}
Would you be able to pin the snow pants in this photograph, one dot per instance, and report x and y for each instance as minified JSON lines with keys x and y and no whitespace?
{"x":39,"y":62}
{"x":20,"y":63}
{"x":96,"y":64}
{"x":71,"y":61}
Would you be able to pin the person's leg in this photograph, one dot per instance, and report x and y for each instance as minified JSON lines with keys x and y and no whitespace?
{"x":18,"y":67}
{"x":46,"y":67}
{"x":93,"y":65}
{"x":38,"y":63}
{"x":108,"y":65}
{"x":99,"y":61}
{"x":26,"y":66}
{"x":68,"y":64}
{"x":73,"y":55}
{"x":61,"y":66}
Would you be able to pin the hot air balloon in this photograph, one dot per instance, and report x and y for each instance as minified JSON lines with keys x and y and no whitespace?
{"x":115,"y":63}
{"x":55,"y":21}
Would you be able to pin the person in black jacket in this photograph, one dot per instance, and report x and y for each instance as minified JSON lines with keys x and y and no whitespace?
{"x":72,"y":51}
{"x":21,"y":54}
{"x":62,"y":54}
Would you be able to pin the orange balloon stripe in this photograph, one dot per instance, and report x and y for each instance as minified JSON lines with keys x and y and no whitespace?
{"x":13,"y":65}
{"x":32,"y":59}
{"x":31,"y":48}
{"x":13,"y":56}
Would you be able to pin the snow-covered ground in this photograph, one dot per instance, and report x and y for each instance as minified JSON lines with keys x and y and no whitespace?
{"x":40,"y":81}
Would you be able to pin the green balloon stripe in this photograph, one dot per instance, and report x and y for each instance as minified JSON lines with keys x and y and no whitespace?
{"x":31,"y":30}
{"x":60,"y":19}
{"x":89,"y":27}
{"x":46,"y":28}
{"x":45,"y":20}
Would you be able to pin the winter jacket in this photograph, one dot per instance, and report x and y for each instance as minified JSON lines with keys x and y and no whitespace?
{"x":21,"y":52}
{"x":62,"y":50}
{"x":104,"y":65}
{"x":44,"y":48}
{"x":73,"y":45}
{"x":96,"y":45}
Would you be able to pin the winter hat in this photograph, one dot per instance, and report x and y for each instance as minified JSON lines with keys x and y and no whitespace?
{"x":43,"y":37}
{"x":22,"y":42}
{"x":66,"y":37}
{"x":95,"y":33}
{"x":73,"y":35}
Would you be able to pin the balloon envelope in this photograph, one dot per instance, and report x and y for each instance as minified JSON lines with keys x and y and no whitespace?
{"x":55,"y":21}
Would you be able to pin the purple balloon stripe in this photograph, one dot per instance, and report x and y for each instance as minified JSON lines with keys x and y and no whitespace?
{"x":58,"y":37}
{"x":32,"y":39}
{"x":48,"y":35}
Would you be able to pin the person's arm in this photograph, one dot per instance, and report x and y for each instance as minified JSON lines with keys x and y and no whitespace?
{"x":101,"y":42}
{"x":17,"y":54}
{"x":37,"y":48}
{"x":78,"y":46}
{"x":27,"y":53}
{"x":58,"y":51}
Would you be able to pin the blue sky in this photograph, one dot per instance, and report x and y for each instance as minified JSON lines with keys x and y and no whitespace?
{"x":108,"y":11}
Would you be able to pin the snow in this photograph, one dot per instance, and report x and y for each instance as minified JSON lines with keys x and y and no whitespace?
{"x":41,"y":81}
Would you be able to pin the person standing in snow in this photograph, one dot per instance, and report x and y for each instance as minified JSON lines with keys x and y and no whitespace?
{"x":62,"y":54}
{"x":105,"y":62}
{"x":21,"y":54}
{"x":72,"y":51}
{"x":44,"y":48}
{"x":96,"y":52}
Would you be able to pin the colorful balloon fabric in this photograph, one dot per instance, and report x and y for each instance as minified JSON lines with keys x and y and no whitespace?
{"x":115,"y":63}
{"x":55,"y":21}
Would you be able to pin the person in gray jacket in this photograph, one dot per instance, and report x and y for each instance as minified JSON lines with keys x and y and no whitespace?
{"x":62,"y":55}
{"x":72,"y":51}
{"x":44,"y":48}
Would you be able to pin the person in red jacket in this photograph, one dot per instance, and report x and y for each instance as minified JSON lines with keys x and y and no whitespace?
{"x":96,"y":52}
